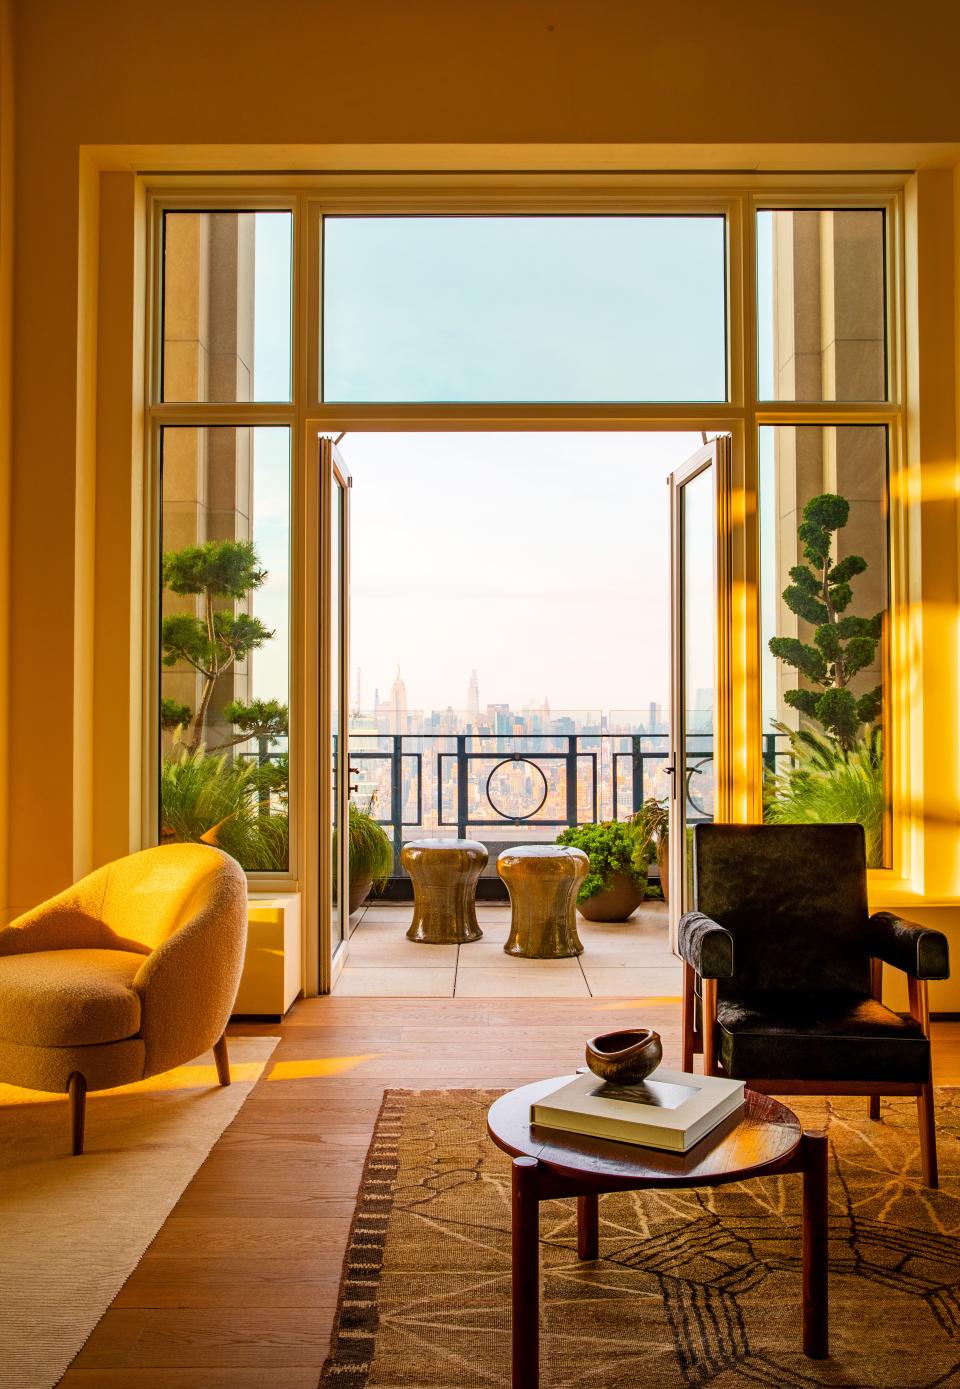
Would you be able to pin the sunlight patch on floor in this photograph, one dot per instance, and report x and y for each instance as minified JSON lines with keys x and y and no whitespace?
{"x":318,"y":1066}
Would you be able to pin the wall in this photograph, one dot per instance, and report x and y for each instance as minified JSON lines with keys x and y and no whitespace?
{"x":6,"y":411}
{"x":107,"y":86}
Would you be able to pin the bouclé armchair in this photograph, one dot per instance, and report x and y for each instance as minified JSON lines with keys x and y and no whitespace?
{"x":130,"y":972}
{"x":783,"y":964}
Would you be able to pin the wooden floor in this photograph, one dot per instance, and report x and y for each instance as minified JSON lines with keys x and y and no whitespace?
{"x":240,"y":1286}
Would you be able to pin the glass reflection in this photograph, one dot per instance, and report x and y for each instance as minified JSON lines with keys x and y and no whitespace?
{"x":698,"y":618}
{"x":338,"y":766}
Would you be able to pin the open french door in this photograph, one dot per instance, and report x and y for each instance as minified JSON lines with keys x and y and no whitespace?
{"x":334,"y":876}
{"x":701,"y":639}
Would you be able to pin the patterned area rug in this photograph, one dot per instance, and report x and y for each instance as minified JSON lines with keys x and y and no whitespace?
{"x":693,"y":1288}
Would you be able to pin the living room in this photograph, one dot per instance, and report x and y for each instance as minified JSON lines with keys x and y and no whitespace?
{"x":221,"y":1227}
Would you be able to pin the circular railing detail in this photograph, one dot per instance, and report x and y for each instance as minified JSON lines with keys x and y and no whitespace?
{"x":514,"y":762}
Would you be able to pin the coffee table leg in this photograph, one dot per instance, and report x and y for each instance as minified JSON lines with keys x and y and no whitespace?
{"x":588,"y":1227}
{"x":526,"y":1274}
{"x":815,"y":1309}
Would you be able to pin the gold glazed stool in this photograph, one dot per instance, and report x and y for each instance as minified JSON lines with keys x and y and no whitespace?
{"x":543,"y":881}
{"x":444,"y":874}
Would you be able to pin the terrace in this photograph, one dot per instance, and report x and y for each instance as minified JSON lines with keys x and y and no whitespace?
{"x":505,"y":789}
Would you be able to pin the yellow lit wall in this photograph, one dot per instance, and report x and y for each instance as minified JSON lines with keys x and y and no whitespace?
{"x":6,"y":413}
{"x":108,"y":89}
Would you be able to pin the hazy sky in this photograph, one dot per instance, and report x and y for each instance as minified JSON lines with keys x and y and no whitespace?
{"x":542,"y":560}
{"x":524,"y":308}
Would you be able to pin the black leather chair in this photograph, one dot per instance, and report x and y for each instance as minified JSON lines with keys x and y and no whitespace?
{"x":783,"y":967}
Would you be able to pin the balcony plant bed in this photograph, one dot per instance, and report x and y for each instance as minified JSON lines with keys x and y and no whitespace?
{"x":617,"y":881}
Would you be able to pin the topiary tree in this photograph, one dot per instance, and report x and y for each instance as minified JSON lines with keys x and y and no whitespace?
{"x":263,"y":719}
{"x":219,"y":637}
{"x":174,"y":715}
{"x":842,"y":644}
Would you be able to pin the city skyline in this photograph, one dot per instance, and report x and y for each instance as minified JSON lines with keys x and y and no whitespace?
{"x":492,"y":718}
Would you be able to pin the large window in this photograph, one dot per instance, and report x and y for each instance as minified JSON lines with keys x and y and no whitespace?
{"x":224,"y":641}
{"x":224,"y":580}
{"x":824,"y":581}
{"x":333,"y":307}
{"x":824,"y":598}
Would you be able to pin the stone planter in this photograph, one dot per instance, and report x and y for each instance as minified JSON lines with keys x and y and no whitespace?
{"x":614,"y":903}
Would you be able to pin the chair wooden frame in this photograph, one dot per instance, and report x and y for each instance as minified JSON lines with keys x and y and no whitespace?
{"x":705,"y":1041}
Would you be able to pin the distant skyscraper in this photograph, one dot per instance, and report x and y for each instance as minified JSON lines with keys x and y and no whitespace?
{"x":394,"y":709}
{"x":473,"y":696}
{"x":398,"y":703}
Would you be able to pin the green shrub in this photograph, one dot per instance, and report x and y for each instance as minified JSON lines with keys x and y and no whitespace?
{"x":613,"y":846}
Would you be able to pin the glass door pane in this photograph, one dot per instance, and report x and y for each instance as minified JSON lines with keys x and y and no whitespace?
{"x":334,"y":630}
{"x":698,"y":755}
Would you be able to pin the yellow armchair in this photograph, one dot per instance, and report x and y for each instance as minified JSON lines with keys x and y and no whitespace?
{"x":128,"y":973}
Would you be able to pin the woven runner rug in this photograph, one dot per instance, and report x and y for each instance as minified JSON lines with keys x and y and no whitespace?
{"x":698,"y":1287}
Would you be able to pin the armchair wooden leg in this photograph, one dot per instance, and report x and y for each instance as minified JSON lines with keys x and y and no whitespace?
{"x":876,"y":988}
{"x":708,"y":1000}
{"x":928,"y":1135}
{"x":77,"y":1090}
{"x":920,"y":1009}
{"x":688,"y":1019}
{"x":223,"y":1060}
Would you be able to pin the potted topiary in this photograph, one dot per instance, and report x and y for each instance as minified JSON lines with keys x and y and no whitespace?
{"x":371,"y":855}
{"x":617,"y":881}
{"x":652,"y":822}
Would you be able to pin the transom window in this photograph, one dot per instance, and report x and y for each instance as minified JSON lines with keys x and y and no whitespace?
{"x":524,"y":308}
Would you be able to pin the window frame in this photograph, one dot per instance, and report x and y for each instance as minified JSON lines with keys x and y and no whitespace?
{"x":737,"y":199}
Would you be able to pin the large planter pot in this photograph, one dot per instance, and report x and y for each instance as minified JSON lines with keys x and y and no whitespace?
{"x":359,"y":892}
{"x":616,"y":902}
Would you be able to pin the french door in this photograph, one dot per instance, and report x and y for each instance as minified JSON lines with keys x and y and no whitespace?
{"x":334,"y":877}
{"x":701,"y":673}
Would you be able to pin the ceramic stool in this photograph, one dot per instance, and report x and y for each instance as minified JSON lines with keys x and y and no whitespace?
{"x":543,"y":881}
{"x":444,"y":874}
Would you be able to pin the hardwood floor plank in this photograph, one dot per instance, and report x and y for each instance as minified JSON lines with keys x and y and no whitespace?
{"x":286,"y":1377}
{"x":191,"y":1338}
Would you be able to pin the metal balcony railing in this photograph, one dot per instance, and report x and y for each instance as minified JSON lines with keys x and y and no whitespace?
{"x":512,"y":788}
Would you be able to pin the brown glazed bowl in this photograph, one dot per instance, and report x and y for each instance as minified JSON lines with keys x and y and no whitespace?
{"x":625,"y":1057}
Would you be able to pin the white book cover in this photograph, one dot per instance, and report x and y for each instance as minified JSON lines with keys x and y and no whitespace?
{"x":670,"y":1109}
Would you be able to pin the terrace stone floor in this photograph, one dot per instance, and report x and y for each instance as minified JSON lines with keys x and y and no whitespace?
{"x":630,"y":959}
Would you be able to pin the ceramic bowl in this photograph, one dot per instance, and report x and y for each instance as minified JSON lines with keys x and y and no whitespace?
{"x":625,"y":1057}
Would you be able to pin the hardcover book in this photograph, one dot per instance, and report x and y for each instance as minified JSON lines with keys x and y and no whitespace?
{"x":670,"y":1109}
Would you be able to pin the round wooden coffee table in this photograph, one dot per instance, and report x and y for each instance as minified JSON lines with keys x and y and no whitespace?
{"x":761,"y":1139}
